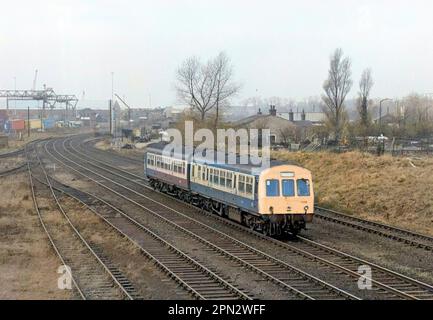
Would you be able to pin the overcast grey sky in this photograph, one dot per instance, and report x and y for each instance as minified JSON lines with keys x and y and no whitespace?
{"x":279,"y":48}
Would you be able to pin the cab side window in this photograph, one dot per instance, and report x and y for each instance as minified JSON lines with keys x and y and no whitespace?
{"x":303,"y":186}
{"x":288,"y":186}
{"x":272,"y":188}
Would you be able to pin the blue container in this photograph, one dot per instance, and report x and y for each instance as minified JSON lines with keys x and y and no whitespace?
{"x":48,"y":123}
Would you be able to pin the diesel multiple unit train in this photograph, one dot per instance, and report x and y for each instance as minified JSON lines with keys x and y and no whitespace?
{"x":273,"y":200}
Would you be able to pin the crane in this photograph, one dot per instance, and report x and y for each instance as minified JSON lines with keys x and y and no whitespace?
{"x":34,"y":80}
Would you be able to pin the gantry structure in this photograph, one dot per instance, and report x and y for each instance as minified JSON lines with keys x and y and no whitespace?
{"x":48,"y":97}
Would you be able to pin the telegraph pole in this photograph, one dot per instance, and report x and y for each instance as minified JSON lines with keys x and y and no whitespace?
{"x":110,"y":117}
{"x":28,"y":121}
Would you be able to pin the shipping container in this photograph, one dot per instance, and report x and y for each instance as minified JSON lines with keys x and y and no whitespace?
{"x":17,"y":124}
{"x":34,"y":124}
{"x":49,"y":123}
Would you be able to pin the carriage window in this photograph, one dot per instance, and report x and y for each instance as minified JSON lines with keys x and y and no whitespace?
{"x":229,"y":180}
{"x":272,"y":189}
{"x":210,"y":175}
{"x":241,"y":186}
{"x":288,"y":187}
{"x":216,"y":176}
{"x":223,"y":178}
{"x":303,"y":186}
{"x":203,"y":175}
{"x":249,"y":185}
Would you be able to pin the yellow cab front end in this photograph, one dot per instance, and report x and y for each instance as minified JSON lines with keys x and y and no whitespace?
{"x":286,"y":197}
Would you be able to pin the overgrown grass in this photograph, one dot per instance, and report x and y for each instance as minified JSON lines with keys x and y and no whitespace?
{"x":384,"y":189}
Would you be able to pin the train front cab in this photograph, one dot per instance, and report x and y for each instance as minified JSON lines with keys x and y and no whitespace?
{"x":286,"y":197}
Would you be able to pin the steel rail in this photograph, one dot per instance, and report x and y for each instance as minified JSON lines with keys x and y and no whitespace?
{"x":176,"y":251}
{"x":377,"y":228}
{"x":164,"y":243}
{"x":78,"y":234}
{"x":13,"y":170}
{"x":214,"y":247}
{"x":415,"y":282}
{"x":36,"y":205}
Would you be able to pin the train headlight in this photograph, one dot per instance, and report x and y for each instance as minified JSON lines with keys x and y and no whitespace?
{"x":271,"y":209}
{"x":306,"y":209}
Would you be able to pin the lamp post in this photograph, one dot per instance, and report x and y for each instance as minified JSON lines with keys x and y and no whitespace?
{"x":112,"y":113}
{"x":112,"y":85}
{"x":380,"y":125}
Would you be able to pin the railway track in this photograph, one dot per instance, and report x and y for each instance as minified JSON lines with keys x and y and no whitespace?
{"x":389,"y":283}
{"x":194,"y":277}
{"x":91,"y":274}
{"x":380,"y":229}
{"x":290,"y":278}
{"x":21,"y":167}
{"x":134,"y":160}
{"x":12,"y":153}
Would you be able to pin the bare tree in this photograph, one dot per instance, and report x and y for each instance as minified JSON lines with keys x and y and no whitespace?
{"x":336,"y":88}
{"x":222,"y":72}
{"x":206,"y":86}
{"x":365,"y":85}
{"x":195,"y":85}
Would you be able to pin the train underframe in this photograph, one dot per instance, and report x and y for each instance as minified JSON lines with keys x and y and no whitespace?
{"x":275,"y":225}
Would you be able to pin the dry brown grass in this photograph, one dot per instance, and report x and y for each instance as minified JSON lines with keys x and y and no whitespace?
{"x":105,"y":145}
{"x":10,"y":163}
{"x":384,"y":189}
{"x":28,"y":266}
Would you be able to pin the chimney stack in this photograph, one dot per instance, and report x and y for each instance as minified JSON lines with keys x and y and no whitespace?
{"x":272,"y":110}
{"x":291,"y":115}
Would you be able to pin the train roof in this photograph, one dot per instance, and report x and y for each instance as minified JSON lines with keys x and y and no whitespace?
{"x":252,"y":165}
